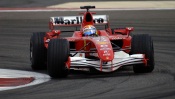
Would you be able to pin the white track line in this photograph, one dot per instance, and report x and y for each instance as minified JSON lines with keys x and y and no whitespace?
{"x":61,"y":10}
{"x":7,"y":73}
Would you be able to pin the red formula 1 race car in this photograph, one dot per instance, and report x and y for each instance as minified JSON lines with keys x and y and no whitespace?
{"x":88,"y":48}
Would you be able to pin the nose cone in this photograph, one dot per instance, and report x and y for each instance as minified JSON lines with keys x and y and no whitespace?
{"x":104,"y":48}
{"x":106,"y":53}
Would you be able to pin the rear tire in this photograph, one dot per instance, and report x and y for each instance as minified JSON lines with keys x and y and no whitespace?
{"x":38,"y":51}
{"x":58,"y":53}
{"x":143,"y":44}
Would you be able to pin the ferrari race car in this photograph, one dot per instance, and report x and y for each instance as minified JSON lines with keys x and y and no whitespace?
{"x":106,"y":51}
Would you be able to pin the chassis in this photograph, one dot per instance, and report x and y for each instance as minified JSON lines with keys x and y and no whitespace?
{"x":110,"y":50}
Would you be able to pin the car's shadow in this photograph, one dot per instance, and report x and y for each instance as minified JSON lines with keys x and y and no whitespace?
{"x":122,"y":72}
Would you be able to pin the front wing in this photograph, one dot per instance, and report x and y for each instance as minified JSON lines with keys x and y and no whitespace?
{"x":79,"y":62}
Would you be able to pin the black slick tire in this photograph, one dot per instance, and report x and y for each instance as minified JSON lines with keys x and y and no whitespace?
{"x":143,"y":44}
{"x":38,"y":51}
{"x":58,"y":53}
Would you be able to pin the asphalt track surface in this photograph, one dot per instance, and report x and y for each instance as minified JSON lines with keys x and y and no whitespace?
{"x":17,"y":27}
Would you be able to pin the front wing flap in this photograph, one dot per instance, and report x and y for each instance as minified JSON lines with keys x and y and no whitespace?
{"x":120,"y":59}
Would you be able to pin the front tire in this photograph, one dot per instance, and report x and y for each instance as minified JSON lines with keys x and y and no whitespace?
{"x":58,"y":53}
{"x":143,"y":44}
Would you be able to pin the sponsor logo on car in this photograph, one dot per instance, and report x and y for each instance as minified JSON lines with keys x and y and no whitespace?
{"x":66,"y":20}
{"x":106,"y":53}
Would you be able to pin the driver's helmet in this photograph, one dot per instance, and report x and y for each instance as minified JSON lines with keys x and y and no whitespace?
{"x":89,"y":30}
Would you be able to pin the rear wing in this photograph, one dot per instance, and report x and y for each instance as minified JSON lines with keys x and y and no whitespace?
{"x":76,"y":20}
